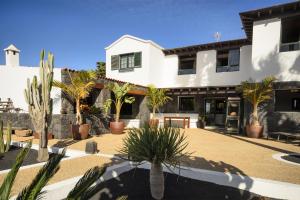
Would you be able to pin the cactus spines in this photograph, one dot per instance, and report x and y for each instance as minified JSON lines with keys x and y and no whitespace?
{"x":4,"y":147}
{"x":38,"y":98}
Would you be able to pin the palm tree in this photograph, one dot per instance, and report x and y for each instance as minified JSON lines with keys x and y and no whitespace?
{"x":257,"y":93}
{"x":156,"y":98}
{"x":159,"y":146}
{"x":120,"y":97}
{"x":120,"y":92}
{"x":81,"y":84}
{"x":82,"y":190}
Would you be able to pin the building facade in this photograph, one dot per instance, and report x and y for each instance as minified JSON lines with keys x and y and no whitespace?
{"x":202,"y":79}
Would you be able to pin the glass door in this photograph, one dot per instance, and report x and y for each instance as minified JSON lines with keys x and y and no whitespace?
{"x":215,"y":112}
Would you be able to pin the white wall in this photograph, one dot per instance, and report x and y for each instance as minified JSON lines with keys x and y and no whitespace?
{"x":128,"y":45}
{"x":13,"y":81}
{"x":256,"y":62}
{"x":266,"y":58}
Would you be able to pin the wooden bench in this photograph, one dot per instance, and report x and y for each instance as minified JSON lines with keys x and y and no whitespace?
{"x":285,"y":134}
{"x":186,"y":121}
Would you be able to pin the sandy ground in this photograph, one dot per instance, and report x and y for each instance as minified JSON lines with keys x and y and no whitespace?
{"x":68,"y":169}
{"x":209,"y":150}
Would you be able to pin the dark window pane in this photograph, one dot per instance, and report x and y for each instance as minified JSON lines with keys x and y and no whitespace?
{"x":290,"y":29}
{"x":287,"y":100}
{"x":186,"y":103}
{"x":187,"y":65}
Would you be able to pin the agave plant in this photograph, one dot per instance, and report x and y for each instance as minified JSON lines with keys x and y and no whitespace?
{"x":82,"y":190}
{"x":120,"y":97}
{"x":81,"y":85}
{"x":156,"y":98}
{"x":159,"y":146}
{"x":257,"y":93}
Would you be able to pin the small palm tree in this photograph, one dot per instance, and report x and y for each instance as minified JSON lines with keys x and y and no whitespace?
{"x":257,"y":93}
{"x":156,"y":98}
{"x":159,"y":146}
{"x":120,"y":97}
{"x":81,"y":85}
{"x":82,"y":190}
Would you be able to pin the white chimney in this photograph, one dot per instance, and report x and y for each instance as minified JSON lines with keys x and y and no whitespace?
{"x":12,"y":56}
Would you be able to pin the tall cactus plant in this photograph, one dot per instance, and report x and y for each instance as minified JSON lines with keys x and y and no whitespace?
{"x":37,"y":96}
{"x":4,"y":147}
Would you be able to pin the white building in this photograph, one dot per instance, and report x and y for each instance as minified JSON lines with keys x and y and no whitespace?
{"x":13,"y":81}
{"x":202,"y":78}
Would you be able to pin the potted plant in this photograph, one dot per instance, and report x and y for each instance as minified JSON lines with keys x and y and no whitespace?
{"x":119,"y":91}
{"x":79,"y":88}
{"x":156,"y":99}
{"x":159,"y":146}
{"x":201,"y":121}
{"x":256,"y":93}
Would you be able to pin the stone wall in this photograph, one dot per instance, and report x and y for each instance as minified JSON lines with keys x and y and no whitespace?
{"x":61,"y":123}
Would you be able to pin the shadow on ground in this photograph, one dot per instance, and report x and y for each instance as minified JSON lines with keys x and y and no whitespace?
{"x":135,"y":184}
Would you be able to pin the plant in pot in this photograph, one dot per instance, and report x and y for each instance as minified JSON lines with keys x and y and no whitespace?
{"x":119,"y":91}
{"x":202,"y":122}
{"x":79,"y":88}
{"x":156,"y":98}
{"x":159,"y":146}
{"x":256,"y":93}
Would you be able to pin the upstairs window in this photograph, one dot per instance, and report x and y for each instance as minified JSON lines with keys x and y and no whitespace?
{"x":126,"y":62}
{"x":290,"y":34}
{"x":187,"y":65}
{"x":228,"y":60}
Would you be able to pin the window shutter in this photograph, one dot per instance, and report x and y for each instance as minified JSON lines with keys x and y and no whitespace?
{"x":115,"y":62}
{"x":234,"y":57}
{"x":138,"y":59}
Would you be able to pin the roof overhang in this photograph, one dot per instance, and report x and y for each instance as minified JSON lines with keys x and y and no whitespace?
{"x":190,"y":50}
{"x":277,"y":11}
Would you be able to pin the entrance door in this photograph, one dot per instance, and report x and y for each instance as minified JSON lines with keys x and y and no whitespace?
{"x":215,"y":111}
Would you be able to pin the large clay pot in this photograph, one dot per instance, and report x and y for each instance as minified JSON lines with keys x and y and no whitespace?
{"x":254,"y":131}
{"x":201,"y":124}
{"x":75,"y":132}
{"x":84,"y":130}
{"x":153,"y":123}
{"x":116,"y":127}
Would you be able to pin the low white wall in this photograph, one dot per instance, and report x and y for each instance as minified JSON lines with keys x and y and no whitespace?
{"x":131,"y":123}
{"x":13,"y":81}
{"x":193,"y":118}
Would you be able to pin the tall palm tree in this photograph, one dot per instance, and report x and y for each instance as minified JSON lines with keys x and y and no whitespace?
{"x":80,"y":86}
{"x":159,"y":146}
{"x":156,"y":98}
{"x":82,"y":190}
{"x":257,"y":93}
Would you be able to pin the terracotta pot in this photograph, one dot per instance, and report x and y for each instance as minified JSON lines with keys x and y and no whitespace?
{"x":75,"y":132}
{"x":254,"y":131}
{"x":116,"y":127}
{"x":37,"y":136}
{"x":201,"y":124}
{"x":84,"y":130}
{"x":153,"y":123}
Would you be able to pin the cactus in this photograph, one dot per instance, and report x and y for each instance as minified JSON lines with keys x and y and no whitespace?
{"x":4,"y":147}
{"x":37,"y":96}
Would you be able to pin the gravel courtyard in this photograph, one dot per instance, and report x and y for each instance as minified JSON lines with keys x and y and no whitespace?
{"x":209,"y":150}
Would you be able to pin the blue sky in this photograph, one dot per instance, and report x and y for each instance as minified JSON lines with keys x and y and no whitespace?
{"x":77,"y":31}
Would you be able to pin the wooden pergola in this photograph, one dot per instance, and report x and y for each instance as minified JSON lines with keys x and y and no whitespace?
{"x":203,"y":90}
